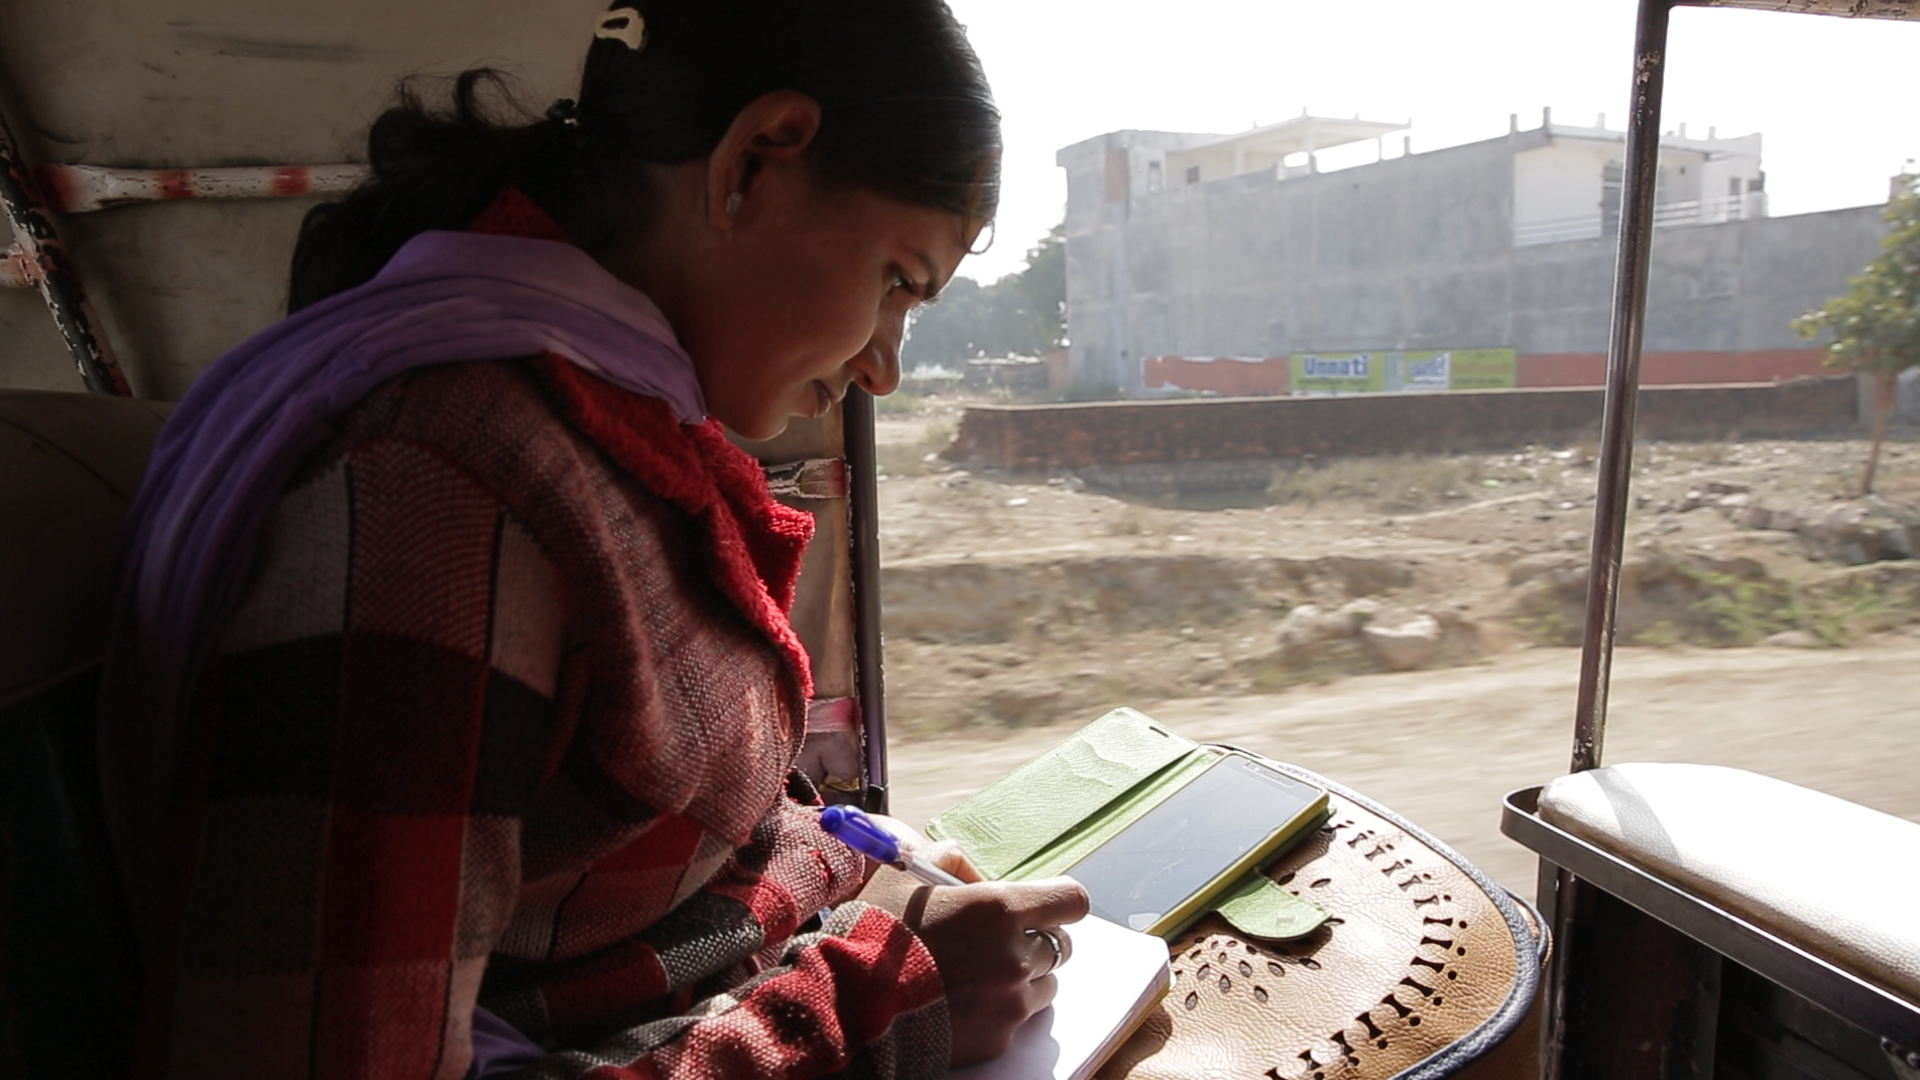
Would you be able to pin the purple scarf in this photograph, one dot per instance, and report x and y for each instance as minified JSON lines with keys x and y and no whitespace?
{"x":227,"y":452}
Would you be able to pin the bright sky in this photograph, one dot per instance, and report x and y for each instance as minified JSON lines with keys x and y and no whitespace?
{"x":1833,"y":97}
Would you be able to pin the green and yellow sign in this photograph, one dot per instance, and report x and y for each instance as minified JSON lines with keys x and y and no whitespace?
{"x":1393,"y":372}
{"x":1484,"y":369}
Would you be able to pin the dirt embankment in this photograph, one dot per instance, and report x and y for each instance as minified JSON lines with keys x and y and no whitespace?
{"x":1019,"y":601}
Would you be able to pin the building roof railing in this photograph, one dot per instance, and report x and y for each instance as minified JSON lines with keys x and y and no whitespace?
{"x":1592,"y":226}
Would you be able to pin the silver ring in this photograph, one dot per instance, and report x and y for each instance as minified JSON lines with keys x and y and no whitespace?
{"x":1059,"y":954}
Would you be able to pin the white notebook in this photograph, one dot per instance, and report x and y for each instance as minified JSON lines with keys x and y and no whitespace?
{"x":1115,"y":978}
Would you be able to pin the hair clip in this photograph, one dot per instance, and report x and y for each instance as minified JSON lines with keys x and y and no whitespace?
{"x":565,"y":111}
{"x":625,"y":25}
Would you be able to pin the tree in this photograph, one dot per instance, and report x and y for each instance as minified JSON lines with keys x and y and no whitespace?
{"x":1024,"y":313}
{"x":1876,"y":324}
{"x":1043,"y":288}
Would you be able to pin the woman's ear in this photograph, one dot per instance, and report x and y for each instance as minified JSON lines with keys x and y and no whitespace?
{"x":769,"y":137}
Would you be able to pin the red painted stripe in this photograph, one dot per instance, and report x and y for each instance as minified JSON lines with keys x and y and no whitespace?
{"x":56,"y":187}
{"x":1235,"y":376}
{"x":1675,"y":368}
{"x":175,"y":184}
{"x":291,"y":180}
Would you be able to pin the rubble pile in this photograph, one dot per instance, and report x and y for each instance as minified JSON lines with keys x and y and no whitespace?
{"x":1853,"y":533}
{"x":1365,"y":634}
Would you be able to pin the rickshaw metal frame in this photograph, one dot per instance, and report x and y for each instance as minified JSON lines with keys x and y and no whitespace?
{"x":1569,"y":900}
{"x":863,"y":508}
{"x":40,"y":245}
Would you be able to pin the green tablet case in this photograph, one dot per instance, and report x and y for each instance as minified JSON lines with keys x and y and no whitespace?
{"x":1049,"y":813}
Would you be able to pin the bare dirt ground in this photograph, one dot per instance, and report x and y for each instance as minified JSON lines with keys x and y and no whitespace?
{"x":1014,"y":600}
{"x":1021,"y":607}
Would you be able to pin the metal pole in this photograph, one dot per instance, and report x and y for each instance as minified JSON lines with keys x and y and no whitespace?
{"x":1623,"y":383}
{"x":1560,"y":1048}
{"x":54,"y":275}
{"x":864,"y":505}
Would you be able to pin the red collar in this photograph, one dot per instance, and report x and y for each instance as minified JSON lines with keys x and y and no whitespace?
{"x":755,"y":543}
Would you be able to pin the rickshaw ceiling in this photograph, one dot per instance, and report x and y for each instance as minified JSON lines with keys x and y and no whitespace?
{"x":198,"y":84}
{"x":201,"y":83}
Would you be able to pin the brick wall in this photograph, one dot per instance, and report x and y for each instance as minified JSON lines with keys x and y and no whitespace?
{"x":1038,"y":438}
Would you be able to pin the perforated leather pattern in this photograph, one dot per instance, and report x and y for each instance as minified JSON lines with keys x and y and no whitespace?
{"x":1417,"y":959}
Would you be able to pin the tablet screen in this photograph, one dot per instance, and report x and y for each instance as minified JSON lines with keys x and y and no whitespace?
{"x":1177,"y":847}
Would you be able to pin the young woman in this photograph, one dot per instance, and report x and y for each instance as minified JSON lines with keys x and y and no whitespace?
{"x":452,"y":705}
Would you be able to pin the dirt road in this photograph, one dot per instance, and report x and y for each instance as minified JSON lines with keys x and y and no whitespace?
{"x":1442,"y":747}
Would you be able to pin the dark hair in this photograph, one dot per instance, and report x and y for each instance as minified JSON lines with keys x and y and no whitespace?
{"x":905,"y":112}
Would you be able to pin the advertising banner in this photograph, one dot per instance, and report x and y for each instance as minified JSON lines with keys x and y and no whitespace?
{"x":1425,"y":371}
{"x":1484,"y":369}
{"x":1395,"y":371}
{"x":1337,"y":373}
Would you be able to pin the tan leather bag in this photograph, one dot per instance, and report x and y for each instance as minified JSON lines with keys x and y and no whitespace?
{"x":1426,"y":966}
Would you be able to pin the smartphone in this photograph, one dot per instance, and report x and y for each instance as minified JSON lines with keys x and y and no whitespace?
{"x":1162,"y":871}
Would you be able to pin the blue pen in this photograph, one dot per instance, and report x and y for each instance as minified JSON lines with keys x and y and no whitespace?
{"x":852,"y":827}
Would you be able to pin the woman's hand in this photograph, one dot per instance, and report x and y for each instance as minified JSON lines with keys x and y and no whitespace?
{"x":996,"y":971}
{"x":944,"y":854}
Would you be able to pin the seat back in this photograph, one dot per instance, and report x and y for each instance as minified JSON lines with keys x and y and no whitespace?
{"x":69,"y":466}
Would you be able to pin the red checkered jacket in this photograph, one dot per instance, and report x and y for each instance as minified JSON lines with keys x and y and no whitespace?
{"x":507,"y":716}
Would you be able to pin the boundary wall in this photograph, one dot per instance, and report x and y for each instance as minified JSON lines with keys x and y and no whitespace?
{"x":1051,"y":438}
{"x":1249,"y":376}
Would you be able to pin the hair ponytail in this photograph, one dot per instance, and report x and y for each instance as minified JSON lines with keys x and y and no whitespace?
{"x":430,"y":167}
{"x":905,"y":112}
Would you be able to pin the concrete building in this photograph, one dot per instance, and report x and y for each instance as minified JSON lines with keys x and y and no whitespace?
{"x":1189,"y":245}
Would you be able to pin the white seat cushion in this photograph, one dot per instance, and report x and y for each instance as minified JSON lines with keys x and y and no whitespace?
{"x":1836,"y":879}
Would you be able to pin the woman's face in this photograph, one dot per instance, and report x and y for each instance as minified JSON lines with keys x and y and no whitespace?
{"x":784,"y":290}
{"x":810,"y":296}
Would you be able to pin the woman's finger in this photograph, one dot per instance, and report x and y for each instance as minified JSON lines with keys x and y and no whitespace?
{"x":944,"y":854}
{"x":1040,"y":993}
{"x":909,"y":837}
{"x":947,"y":855}
{"x":1047,"y":902}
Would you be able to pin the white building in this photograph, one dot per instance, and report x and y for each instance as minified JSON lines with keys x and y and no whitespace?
{"x":1183,"y":244}
{"x":1568,"y":186}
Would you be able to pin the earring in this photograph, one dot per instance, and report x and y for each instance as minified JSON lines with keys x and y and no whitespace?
{"x":733,"y":205}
